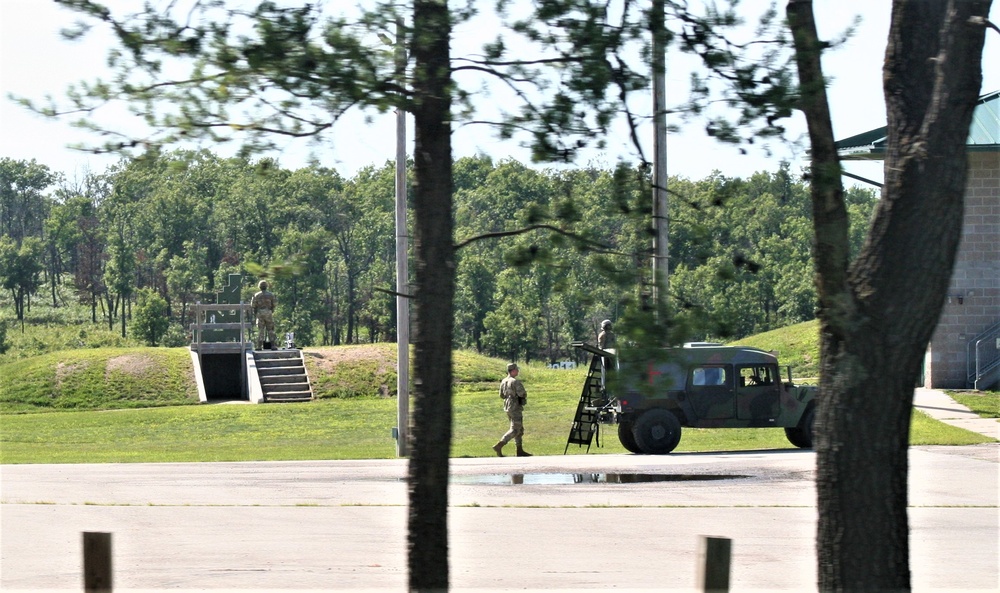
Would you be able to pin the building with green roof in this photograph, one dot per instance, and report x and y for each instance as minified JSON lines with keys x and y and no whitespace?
{"x":964,"y":351}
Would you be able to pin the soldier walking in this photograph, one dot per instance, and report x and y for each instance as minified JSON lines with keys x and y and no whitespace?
{"x":262,"y":304}
{"x":514,"y":398}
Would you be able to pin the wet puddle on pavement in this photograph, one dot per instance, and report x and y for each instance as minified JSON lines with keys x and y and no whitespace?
{"x":608,"y":478}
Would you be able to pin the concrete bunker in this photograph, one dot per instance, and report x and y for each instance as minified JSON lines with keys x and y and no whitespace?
{"x":227,"y":368}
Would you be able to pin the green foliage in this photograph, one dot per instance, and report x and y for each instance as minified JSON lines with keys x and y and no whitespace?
{"x":150,"y":320}
{"x":176,"y":336}
{"x":23,"y":205}
{"x":741,"y":252}
{"x":4,"y":342}
{"x":545,"y":255}
{"x":50,"y":329}
{"x":20,"y":269}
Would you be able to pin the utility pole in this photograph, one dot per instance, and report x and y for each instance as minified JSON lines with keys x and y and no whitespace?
{"x":660,"y":212}
{"x":402,"y":265}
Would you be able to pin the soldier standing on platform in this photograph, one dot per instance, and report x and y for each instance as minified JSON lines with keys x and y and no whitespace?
{"x":606,"y":339}
{"x":262,"y":304}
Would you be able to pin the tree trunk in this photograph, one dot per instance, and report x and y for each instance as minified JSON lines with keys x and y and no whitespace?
{"x":351,"y":306}
{"x":435,"y":292}
{"x":878,"y":313}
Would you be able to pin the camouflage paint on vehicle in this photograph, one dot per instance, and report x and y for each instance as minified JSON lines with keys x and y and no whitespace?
{"x":702,"y":386}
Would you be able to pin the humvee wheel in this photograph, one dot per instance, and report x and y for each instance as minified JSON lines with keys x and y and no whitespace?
{"x":626,"y":437}
{"x":657,"y":432}
{"x":802,"y":435}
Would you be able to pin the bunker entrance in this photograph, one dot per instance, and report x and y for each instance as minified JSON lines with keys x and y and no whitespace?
{"x":223,"y":376}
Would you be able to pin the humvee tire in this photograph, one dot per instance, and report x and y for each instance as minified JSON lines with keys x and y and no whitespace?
{"x":657,"y":432}
{"x":802,"y":435}
{"x":626,"y":437}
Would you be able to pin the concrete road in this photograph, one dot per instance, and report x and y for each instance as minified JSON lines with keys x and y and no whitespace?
{"x":625,"y":522}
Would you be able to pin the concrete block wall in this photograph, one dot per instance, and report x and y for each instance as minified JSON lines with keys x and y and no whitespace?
{"x":974,"y":293}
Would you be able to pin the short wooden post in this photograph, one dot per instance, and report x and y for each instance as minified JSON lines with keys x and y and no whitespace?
{"x":716,"y":553}
{"x":96,"y":562}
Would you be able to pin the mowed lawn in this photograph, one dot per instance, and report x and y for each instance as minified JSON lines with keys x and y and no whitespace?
{"x":340,"y":429}
{"x":110,"y":405}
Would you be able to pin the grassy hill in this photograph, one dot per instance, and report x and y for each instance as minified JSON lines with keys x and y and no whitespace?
{"x":797,"y":346}
{"x":125,"y":378}
{"x":131,"y":404}
{"x":122,"y":377}
{"x":98,"y":378}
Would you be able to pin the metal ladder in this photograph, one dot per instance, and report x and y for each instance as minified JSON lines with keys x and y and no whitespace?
{"x":585,"y":423}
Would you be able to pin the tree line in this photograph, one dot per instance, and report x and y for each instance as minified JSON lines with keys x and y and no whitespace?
{"x":572,"y":68}
{"x":544,"y":256}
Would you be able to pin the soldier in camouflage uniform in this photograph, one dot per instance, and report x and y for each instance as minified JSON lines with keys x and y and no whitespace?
{"x":514,"y":398}
{"x":262,"y":304}
{"x":606,"y":339}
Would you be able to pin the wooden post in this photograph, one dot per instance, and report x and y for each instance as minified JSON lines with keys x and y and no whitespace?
{"x":716,"y":553}
{"x":97,"y":577}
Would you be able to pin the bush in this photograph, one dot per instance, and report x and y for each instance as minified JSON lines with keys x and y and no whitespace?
{"x":150,"y":320}
{"x":176,"y":336}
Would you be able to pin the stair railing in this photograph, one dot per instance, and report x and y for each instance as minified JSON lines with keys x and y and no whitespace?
{"x":983,"y":354}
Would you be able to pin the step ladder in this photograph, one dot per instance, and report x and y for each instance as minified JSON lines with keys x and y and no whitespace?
{"x":283,"y":376}
{"x":585,"y":423}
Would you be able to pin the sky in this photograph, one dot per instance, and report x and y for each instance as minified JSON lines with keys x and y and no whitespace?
{"x":35,"y":62}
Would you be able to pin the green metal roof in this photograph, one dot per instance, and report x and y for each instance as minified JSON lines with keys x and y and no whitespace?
{"x":984,"y":134}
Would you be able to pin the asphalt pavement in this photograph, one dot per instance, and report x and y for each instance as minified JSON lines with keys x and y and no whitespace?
{"x":625,"y":522}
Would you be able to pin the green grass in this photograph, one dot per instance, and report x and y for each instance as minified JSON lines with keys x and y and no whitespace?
{"x":49,"y":329}
{"x":333,"y":429}
{"x":103,"y":378}
{"x":356,"y":428}
{"x":986,"y":403}
{"x":797,"y":346}
{"x":112,"y":405}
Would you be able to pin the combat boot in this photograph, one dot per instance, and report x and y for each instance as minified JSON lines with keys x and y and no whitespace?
{"x":521,"y":452}
{"x":499,"y":448}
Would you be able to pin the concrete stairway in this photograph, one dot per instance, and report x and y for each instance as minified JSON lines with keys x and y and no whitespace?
{"x":283,"y":376}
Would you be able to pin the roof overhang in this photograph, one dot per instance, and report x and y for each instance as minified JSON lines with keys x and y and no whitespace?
{"x":984,"y":134}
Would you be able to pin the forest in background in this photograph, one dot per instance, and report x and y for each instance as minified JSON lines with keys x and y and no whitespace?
{"x":543,"y":255}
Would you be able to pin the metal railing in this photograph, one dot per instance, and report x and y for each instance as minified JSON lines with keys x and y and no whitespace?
{"x":983,"y":355}
{"x":205,"y":329}
{"x":209,"y":336}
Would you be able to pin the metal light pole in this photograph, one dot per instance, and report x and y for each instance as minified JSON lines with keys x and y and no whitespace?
{"x":660,"y":212}
{"x":402,"y":265}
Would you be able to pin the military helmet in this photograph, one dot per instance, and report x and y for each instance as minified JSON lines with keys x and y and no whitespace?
{"x":606,"y":324}
{"x":262,"y":285}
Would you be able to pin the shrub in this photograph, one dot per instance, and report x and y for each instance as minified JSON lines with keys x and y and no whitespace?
{"x":150,"y":320}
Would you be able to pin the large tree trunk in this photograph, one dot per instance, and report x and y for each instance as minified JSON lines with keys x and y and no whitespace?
{"x":878,"y":313}
{"x":435,"y":292}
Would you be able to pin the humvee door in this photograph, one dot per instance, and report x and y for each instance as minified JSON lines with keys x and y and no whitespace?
{"x":710,"y":391}
{"x":758,"y":392}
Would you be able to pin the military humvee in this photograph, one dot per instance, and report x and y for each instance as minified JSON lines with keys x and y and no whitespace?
{"x":702,"y":385}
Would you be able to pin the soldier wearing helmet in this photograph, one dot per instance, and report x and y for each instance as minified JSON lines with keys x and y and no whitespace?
{"x":606,"y":339}
{"x":262,"y":305}
{"x":514,"y":397}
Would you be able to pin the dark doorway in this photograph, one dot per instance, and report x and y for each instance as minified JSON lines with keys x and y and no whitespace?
{"x":222,"y":375}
